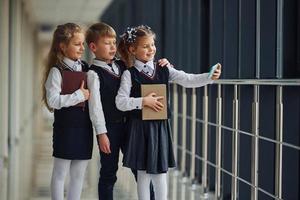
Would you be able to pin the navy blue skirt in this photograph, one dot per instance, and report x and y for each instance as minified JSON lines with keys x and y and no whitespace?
{"x":72,"y":133}
{"x":73,"y":143}
{"x":149,"y":146}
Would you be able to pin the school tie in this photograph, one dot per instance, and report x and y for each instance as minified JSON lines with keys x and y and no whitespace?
{"x":111,"y":67}
{"x":77,"y":65}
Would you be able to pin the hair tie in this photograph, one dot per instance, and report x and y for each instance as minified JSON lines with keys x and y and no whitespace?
{"x":129,"y":35}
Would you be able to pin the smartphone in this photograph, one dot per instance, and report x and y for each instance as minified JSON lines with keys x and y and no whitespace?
{"x":212,"y":70}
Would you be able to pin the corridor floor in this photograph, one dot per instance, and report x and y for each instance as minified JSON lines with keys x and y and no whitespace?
{"x":125,"y":188}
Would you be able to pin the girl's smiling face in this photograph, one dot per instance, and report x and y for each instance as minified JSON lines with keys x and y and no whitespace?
{"x":144,"y":49}
{"x":74,"y":49}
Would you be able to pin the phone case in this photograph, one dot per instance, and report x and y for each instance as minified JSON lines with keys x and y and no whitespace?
{"x":212,"y":70}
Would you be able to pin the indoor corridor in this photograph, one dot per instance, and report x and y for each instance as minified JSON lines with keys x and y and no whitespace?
{"x":235,"y":139}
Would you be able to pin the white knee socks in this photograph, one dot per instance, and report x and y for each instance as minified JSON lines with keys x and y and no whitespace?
{"x":77,"y":171}
{"x":60,"y":169}
{"x":159,"y":182}
{"x":143,"y":184}
{"x":160,"y":186}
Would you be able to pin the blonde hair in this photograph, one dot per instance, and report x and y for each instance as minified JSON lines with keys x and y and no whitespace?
{"x":62,"y":34}
{"x":131,"y":38}
{"x":98,"y":30}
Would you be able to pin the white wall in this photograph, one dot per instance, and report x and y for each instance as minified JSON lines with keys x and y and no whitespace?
{"x":21,"y":119}
{"x":17,"y":100}
{"x":4,"y":32}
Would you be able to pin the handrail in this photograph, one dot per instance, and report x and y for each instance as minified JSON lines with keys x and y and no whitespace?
{"x":235,"y":131}
{"x":245,"y":133}
{"x":283,"y":82}
{"x":228,"y":173}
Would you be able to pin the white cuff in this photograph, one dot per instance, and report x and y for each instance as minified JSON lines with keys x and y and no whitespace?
{"x":100,"y":129}
{"x":137,"y":103}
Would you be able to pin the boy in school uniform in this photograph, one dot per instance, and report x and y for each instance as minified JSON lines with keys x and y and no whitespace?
{"x":103,"y":80}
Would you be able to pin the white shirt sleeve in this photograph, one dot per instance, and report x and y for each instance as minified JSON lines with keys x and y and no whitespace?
{"x":188,"y":80}
{"x":53,"y":88}
{"x":95,"y":104}
{"x":123,"y":100}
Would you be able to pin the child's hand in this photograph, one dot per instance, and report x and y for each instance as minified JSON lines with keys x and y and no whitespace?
{"x":164,"y":62}
{"x":151,"y":100}
{"x":217,"y":72}
{"x":103,"y":143}
{"x":85,"y":92}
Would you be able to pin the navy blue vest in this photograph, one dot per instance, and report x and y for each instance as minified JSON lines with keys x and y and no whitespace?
{"x":160,"y":76}
{"x":109,"y":86}
{"x":72,"y":116}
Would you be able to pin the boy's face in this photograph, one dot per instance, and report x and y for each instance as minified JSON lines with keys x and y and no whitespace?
{"x":75,"y":48}
{"x":105,"y":48}
{"x":145,"y":49}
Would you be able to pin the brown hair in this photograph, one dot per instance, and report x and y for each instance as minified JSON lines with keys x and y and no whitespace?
{"x":131,"y":38}
{"x":62,"y":34}
{"x":98,"y":30}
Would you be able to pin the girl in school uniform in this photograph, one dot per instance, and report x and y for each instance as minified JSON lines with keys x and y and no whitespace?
{"x":104,"y":78}
{"x":72,"y":128}
{"x":149,"y":149}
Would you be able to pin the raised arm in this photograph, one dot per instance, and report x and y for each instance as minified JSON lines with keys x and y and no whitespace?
{"x":188,"y":80}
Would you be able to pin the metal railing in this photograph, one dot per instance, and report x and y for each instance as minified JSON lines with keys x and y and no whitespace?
{"x":255,"y":135}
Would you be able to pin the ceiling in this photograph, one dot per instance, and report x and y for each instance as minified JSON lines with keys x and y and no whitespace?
{"x":54,"y":12}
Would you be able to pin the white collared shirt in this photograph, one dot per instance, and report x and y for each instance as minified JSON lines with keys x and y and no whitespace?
{"x":113,"y":68}
{"x":95,"y":104}
{"x":53,"y":87}
{"x":147,"y":68}
{"x":72,"y":65}
{"x":125,"y":103}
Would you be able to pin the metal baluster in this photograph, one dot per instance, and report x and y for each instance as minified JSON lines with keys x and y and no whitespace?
{"x":279,"y":105}
{"x":205,"y":141}
{"x":257,"y":36}
{"x":235,"y":145}
{"x":183,"y":132}
{"x":279,"y":39}
{"x":279,"y":138}
{"x":175,"y":187}
{"x":175,"y":121}
{"x":218,"y":145}
{"x":183,"y":191}
{"x":193,"y":135}
{"x":255,"y":142}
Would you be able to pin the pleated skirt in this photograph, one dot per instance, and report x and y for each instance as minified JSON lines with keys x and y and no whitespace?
{"x":149,"y":146}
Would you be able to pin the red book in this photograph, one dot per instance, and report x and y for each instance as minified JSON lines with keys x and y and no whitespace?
{"x":71,"y":81}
